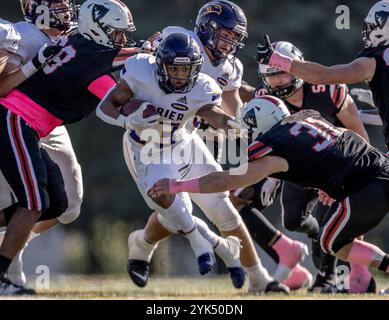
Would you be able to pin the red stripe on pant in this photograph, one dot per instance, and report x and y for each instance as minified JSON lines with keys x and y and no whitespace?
{"x":24,"y":162}
{"x":326,"y":238}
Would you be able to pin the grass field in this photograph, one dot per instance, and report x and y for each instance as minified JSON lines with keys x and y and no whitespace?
{"x":213,"y":287}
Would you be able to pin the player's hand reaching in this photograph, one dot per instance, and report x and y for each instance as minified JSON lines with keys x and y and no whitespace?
{"x":45,"y":54}
{"x":265,"y":51}
{"x":147,"y":45}
{"x":325,"y":199}
{"x":162,"y":187}
{"x":269,"y":190}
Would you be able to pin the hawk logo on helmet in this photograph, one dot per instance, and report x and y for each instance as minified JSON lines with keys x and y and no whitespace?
{"x":98,"y":12}
{"x":249,"y":118}
{"x":381,"y":17}
{"x":214,"y":8}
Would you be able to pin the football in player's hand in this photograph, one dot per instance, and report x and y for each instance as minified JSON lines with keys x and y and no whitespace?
{"x":133,"y":105}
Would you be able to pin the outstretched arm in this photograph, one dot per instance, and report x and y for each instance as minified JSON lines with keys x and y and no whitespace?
{"x":222,"y":181}
{"x":361,"y":69}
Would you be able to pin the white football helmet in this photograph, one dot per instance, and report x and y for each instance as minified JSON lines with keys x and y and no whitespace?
{"x":376,"y":25}
{"x":287,"y":49}
{"x":261,"y":114}
{"x":103,"y":20}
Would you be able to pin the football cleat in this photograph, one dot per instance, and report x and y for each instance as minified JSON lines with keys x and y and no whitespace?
{"x":324,"y":283}
{"x":271,"y":287}
{"x":206,"y":263}
{"x":276,"y":287}
{"x":228,"y":250}
{"x":7,"y":288}
{"x":290,"y":256}
{"x":138,"y":271}
{"x":237,"y":276}
{"x":15,"y":271}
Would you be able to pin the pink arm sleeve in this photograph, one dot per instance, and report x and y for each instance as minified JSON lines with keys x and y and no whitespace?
{"x":101,"y":86}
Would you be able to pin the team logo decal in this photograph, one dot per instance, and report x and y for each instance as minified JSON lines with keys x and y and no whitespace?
{"x":179,"y":106}
{"x":214,"y":8}
{"x":249,"y":118}
{"x":98,"y":12}
{"x":381,"y":17}
{"x":223,"y":82}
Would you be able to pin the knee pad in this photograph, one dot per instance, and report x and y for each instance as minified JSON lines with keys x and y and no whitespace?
{"x":219,"y":209}
{"x":169,"y":218}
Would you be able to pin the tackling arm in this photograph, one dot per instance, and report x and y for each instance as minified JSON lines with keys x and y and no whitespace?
{"x":223,"y":181}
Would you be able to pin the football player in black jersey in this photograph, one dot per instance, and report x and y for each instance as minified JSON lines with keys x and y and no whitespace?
{"x":307,"y":150}
{"x":371,"y":64}
{"x":52,"y":92}
{"x":62,"y":16}
{"x":336,"y":106}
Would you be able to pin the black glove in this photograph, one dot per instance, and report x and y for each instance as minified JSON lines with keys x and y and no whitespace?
{"x":265,"y":51}
{"x":44,"y":54}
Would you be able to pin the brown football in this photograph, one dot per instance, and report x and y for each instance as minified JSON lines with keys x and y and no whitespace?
{"x":133,"y":105}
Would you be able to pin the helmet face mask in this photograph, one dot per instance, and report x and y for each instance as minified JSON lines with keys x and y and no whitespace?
{"x":107,"y":22}
{"x":212,"y":19}
{"x":119,"y":38}
{"x":285,"y":90}
{"x":63,"y":14}
{"x":178,"y":55}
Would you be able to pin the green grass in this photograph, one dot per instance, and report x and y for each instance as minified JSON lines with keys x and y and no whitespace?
{"x":212,"y":287}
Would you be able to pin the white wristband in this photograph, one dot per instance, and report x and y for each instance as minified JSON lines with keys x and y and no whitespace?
{"x":29,"y":69}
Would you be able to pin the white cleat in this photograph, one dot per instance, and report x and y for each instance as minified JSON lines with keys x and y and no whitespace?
{"x":15,"y":271}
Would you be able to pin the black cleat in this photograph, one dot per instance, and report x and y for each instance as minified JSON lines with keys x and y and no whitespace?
{"x":7,"y":288}
{"x":276,"y":287}
{"x":324,"y":283}
{"x":372,"y":288}
{"x":138,"y":271}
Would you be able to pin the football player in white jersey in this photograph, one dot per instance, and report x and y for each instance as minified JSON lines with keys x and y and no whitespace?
{"x":166,"y":82}
{"x":31,"y":37}
{"x":221,"y":28}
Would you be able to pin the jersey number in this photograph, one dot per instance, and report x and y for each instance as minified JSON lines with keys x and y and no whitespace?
{"x":67,"y":54}
{"x":316,"y":129}
{"x":319,"y":88}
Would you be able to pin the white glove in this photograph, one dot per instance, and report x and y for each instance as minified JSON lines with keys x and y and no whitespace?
{"x":137,"y":121}
{"x":363,"y":95}
{"x":268,"y":191}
